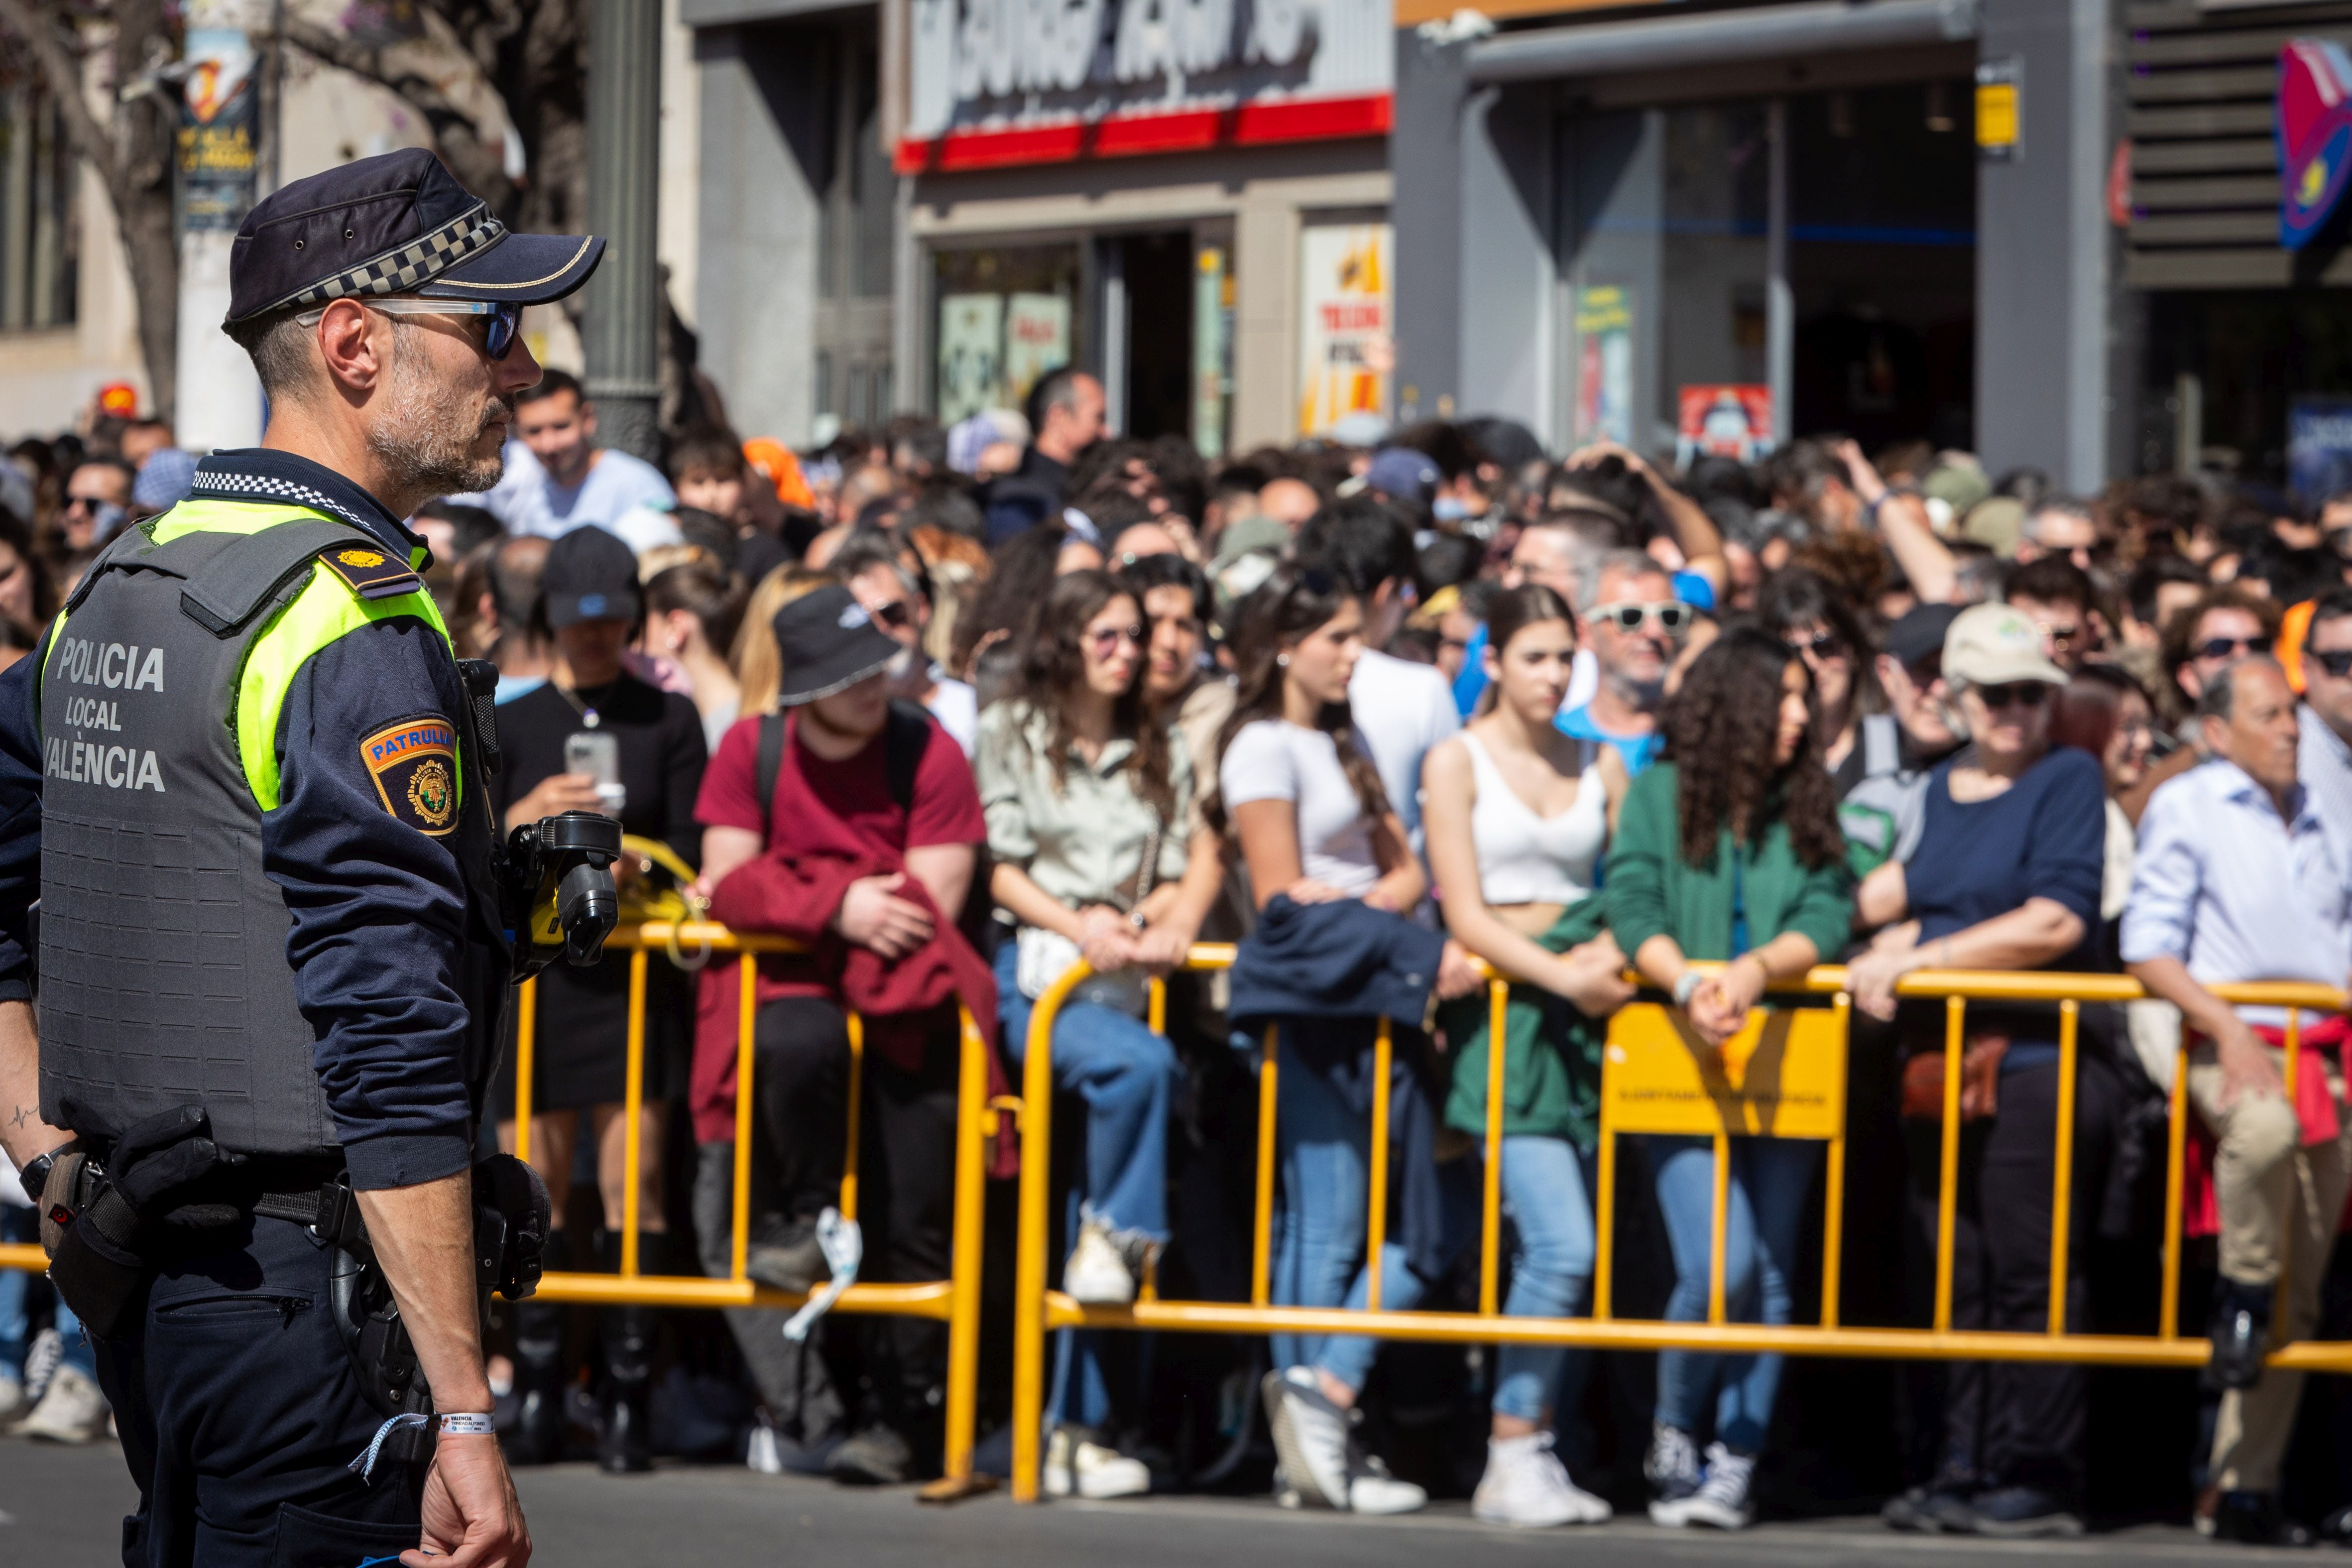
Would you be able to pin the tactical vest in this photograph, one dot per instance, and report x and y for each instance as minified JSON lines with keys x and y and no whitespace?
{"x":163,"y":972}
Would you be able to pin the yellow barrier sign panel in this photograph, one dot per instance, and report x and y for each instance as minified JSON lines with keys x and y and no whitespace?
{"x":1783,"y":1076}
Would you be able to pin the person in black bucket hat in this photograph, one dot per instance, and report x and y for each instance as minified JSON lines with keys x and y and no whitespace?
{"x":828,"y":644}
{"x":298,"y":721}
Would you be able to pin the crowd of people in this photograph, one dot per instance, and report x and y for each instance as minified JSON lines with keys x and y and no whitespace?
{"x":957,"y":707}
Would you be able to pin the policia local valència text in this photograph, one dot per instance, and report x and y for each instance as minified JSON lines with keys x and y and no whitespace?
{"x":115,"y":667}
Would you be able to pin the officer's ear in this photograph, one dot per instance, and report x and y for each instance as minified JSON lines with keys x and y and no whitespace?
{"x":352,"y":342}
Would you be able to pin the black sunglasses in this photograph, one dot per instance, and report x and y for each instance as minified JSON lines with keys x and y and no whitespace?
{"x":1820,"y":644}
{"x":2022,"y":693}
{"x":2336,"y":661}
{"x":894,"y":614}
{"x":2229,"y":647}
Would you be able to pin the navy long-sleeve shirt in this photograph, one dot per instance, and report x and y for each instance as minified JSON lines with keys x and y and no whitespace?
{"x":377,"y":908}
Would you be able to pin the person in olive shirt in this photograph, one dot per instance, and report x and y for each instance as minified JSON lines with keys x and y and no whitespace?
{"x":591,"y":608}
{"x":1729,"y":850}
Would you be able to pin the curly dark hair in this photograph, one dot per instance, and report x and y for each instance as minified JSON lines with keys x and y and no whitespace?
{"x":1055,"y":667}
{"x":1720,"y":727}
{"x":1285,"y":607}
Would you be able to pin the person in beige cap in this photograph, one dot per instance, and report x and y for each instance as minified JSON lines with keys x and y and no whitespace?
{"x":2006,"y":876}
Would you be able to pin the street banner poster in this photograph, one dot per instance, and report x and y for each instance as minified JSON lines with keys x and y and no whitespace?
{"x":2319,"y":448}
{"x":971,"y":355}
{"x":2314,"y":135}
{"x":1036,"y":340}
{"x":1347,"y":343}
{"x":217,"y":130}
{"x":1604,"y":364}
{"x":1723,"y":421}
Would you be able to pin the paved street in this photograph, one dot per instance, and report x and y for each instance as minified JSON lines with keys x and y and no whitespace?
{"x":61,"y":1508}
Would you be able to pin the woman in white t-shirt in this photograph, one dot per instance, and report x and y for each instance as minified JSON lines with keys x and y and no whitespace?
{"x":1299,"y":793}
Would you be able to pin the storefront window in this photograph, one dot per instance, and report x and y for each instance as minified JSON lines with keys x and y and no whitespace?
{"x":1006,"y":316}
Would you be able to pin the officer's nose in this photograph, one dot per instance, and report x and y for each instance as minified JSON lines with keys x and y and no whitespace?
{"x":520,"y":368}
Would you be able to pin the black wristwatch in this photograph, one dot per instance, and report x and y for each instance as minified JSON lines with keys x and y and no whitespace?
{"x":34,"y":1176}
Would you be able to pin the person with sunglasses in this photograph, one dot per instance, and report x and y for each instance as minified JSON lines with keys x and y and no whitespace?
{"x":1628,"y":613}
{"x":1089,"y":797}
{"x":875,"y":567}
{"x":298,"y":721}
{"x":2226,"y":624}
{"x":2007,"y":876}
{"x":557,"y":476}
{"x":2324,"y":756}
{"x":1797,"y":605}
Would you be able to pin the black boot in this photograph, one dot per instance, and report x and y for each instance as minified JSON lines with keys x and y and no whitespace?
{"x":540,"y":1425}
{"x":624,"y":1440}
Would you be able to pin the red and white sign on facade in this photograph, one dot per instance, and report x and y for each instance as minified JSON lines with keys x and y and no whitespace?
{"x":1002,"y":82}
{"x":1723,"y":421}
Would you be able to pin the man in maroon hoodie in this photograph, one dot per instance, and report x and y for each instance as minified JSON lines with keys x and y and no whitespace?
{"x":849,"y":823}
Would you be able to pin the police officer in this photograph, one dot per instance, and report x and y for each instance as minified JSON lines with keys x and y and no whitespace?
{"x":269,"y":954}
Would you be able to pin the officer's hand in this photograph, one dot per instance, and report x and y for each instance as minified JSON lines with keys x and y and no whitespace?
{"x":553,"y":797}
{"x":472,"y":1517}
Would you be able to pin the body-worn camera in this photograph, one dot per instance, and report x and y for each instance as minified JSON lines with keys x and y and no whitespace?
{"x":559,"y":884}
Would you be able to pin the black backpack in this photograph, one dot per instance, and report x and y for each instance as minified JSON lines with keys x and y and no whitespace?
{"x":905,"y":735}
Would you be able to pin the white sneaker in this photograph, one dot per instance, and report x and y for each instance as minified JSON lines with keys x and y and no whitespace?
{"x":1076,"y":1466}
{"x":1672,"y":1468}
{"x":1320,"y":1460}
{"x":1097,"y":1274}
{"x":42,"y":1359}
{"x":1526,"y":1487}
{"x":13,"y":1402}
{"x":71,"y":1411}
{"x":1721,"y":1501}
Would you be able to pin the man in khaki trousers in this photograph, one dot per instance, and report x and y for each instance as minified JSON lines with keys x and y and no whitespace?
{"x":2238,"y":879}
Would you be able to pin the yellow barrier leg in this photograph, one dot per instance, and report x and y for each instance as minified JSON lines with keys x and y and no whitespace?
{"x":633,"y":1106}
{"x":2176,"y":1133}
{"x":1490,"y":1226}
{"x":857,"y":1124}
{"x":1262,"y":1233}
{"x":2286,"y":1253}
{"x":746,"y":1021}
{"x":1604,"y":1208}
{"x":1715,"y":1312}
{"x":973,"y":1114}
{"x":1948,"y":1190}
{"x":1376,"y":1229}
{"x":2062,"y":1196}
{"x":526,"y":1040}
{"x":1833,"y":1194}
{"x":1029,"y":1267}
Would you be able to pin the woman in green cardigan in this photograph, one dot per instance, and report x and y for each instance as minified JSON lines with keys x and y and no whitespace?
{"x":1729,"y":849}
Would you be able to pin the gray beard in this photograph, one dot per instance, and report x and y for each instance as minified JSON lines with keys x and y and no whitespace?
{"x":1642,"y":695}
{"x":426,"y":446}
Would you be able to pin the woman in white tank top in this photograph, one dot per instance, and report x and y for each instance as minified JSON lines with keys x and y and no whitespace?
{"x":1514,"y":830}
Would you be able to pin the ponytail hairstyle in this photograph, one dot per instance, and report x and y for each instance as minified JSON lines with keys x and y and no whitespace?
{"x":1055,"y":666}
{"x":1510,"y":612}
{"x":1286,"y":608}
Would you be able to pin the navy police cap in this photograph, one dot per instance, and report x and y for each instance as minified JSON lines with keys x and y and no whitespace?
{"x":398,"y":224}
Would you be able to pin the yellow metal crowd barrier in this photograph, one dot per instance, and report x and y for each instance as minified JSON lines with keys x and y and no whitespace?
{"x":954,"y":1301}
{"x":1783,"y":1076}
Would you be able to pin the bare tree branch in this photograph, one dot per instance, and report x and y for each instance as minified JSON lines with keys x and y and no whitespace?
{"x":59,"y":54}
{"x":477,"y":160}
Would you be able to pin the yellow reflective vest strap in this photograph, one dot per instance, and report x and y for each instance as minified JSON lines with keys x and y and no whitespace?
{"x":325,"y":610}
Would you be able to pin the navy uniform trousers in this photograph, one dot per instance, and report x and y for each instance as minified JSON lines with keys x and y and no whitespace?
{"x":240,"y":1415}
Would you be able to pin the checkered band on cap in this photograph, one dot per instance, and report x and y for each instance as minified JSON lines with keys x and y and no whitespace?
{"x":411,"y":267}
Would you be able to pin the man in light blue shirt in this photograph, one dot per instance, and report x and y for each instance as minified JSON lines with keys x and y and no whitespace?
{"x":1629,"y":617}
{"x":2238,"y":879}
{"x":557,"y":478}
{"x":2326,"y":753}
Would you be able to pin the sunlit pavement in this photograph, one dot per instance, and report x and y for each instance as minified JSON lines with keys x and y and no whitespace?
{"x":64,"y":1507}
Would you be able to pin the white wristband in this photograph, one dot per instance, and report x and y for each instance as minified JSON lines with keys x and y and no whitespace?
{"x":466,"y":1424}
{"x":1687,"y":983}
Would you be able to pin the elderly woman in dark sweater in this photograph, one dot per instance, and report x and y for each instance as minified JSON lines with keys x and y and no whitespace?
{"x":2006,"y":876}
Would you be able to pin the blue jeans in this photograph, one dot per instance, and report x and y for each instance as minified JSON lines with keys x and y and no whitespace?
{"x":1764,"y":1209}
{"x":15,"y":1312}
{"x":1543,"y":1194}
{"x":1323,"y":1147}
{"x":1128,"y":1076}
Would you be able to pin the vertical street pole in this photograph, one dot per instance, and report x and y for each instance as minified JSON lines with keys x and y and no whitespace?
{"x":622,"y":328}
{"x":220,"y":398}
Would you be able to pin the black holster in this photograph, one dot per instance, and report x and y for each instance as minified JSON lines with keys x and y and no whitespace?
{"x":94,"y":1239}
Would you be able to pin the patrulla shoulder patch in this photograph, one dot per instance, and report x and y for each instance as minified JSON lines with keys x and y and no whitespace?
{"x":372,"y":573}
{"x":415,"y":765}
